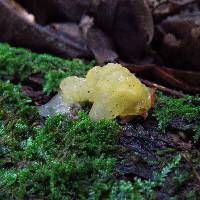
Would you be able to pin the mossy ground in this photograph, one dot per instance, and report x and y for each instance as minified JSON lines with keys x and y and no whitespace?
{"x":168,"y":108}
{"x":59,"y":158}
{"x":20,"y":63}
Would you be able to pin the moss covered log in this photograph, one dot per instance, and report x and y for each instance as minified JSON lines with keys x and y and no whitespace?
{"x":59,"y":158}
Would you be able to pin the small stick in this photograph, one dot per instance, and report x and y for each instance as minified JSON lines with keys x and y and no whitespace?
{"x":163,"y":89}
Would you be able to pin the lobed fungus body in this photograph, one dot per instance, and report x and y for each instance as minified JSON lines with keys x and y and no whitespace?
{"x":112,"y":89}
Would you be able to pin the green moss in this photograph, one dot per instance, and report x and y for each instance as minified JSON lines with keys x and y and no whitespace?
{"x":22,"y":63}
{"x":59,"y":160}
{"x":124,"y":190}
{"x":193,"y":194}
{"x":180,"y":177}
{"x":148,"y":187}
{"x":168,"y":108}
{"x":62,"y":159}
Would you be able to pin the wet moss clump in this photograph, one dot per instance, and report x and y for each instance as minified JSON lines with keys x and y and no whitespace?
{"x":21,"y":63}
{"x":169,"y":108}
{"x":58,"y":159}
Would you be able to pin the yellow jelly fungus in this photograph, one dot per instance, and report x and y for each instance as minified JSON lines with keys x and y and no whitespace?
{"x":112,"y":89}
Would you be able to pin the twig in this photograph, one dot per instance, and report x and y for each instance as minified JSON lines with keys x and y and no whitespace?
{"x":163,"y":89}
